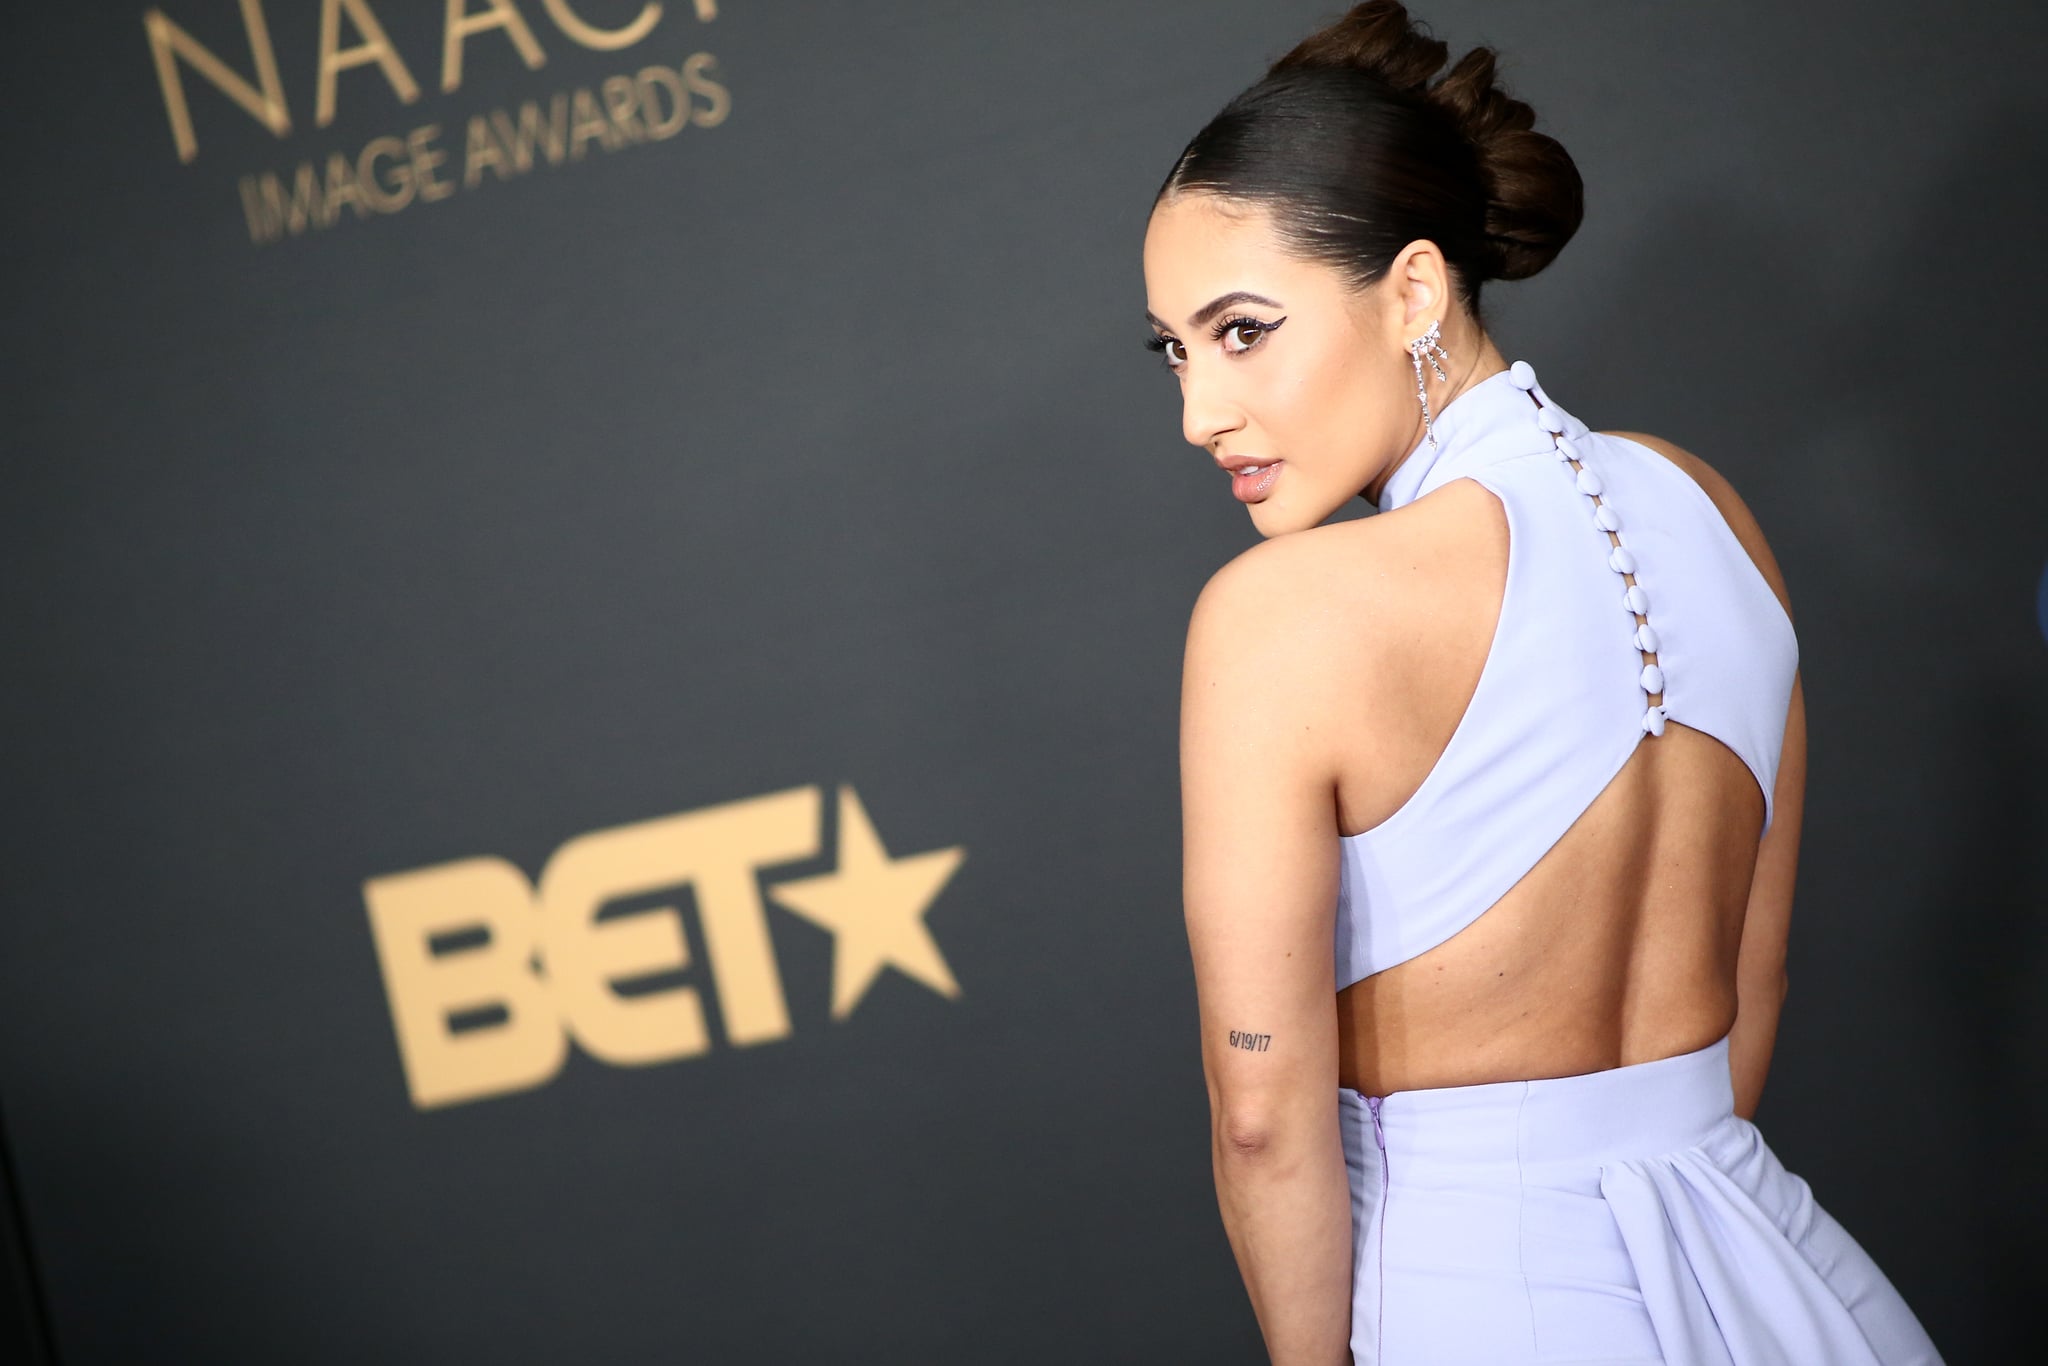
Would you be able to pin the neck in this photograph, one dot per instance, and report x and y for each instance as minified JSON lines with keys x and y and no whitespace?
{"x":1486,"y":362}
{"x":1474,"y":358}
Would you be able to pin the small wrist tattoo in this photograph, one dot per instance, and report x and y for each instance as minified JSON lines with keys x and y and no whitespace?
{"x":1250,"y":1042}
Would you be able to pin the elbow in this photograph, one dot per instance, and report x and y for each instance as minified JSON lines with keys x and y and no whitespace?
{"x":1764,"y":992}
{"x":1244,"y":1138}
{"x":1255,"y":1134}
{"x":1269,"y":1121}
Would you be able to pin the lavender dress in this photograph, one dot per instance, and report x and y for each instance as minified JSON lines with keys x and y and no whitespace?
{"x":1625,"y":1216}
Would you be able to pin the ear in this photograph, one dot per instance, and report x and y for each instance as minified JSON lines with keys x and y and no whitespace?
{"x":1421,"y":282}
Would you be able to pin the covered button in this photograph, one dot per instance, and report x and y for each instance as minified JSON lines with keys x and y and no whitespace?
{"x":1653,"y":679}
{"x":1637,"y":600}
{"x":1653,"y":720}
{"x":1620,"y":561}
{"x":1589,"y":483}
{"x":1523,"y":375}
{"x":1646,"y":638}
{"x":1565,"y":449}
{"x":1606,"y":518}
{"x":1547,"y":417}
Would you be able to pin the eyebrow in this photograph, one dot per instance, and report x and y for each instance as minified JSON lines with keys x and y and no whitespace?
{"x":1215,"y":306}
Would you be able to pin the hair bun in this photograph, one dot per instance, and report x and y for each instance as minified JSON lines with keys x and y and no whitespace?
{"x":1535,"y":199}
{"x":1377,"y":37}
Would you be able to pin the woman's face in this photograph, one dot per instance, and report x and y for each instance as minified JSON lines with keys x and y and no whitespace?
{"x":1303,"y":391}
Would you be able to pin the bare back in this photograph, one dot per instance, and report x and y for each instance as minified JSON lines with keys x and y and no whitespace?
{"x":1626,"y":941}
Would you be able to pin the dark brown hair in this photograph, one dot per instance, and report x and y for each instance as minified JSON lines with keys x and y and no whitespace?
{"x":1358,"y":148}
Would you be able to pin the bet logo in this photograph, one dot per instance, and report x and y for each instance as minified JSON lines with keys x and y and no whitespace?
{"x":489,"y":976}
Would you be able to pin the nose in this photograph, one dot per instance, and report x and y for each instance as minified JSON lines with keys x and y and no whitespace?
{"x":1207,"y":412}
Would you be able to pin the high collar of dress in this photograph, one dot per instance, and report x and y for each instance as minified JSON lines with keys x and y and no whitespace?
{"x":1499,"y":418}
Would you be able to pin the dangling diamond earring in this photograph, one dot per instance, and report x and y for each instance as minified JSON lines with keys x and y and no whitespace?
{"x":1418,"y":350}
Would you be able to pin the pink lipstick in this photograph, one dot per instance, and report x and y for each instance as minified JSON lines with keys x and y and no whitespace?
{"x":1250,"y":483}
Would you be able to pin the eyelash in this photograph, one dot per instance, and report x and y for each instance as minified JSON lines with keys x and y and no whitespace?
{"x":1222,"y":326}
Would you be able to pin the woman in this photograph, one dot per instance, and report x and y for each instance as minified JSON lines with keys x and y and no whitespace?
{"x":1517,"y":765}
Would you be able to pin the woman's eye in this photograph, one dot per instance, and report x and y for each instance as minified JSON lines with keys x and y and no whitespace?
{"x":1238,"y":336}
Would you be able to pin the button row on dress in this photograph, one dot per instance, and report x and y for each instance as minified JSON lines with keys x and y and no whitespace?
{"x":1620,"y":559}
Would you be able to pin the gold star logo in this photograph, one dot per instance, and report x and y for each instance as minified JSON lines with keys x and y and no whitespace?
{"x":874,"y":906}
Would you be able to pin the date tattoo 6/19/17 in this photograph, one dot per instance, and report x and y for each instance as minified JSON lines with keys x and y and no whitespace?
{"x":1250,"y":1042}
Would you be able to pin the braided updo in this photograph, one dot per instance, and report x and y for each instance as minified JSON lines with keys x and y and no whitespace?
{"x":1358,"y":148}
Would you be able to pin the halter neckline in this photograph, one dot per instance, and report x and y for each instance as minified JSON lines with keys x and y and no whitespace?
{"x":1507,"y":415}
{"x":1496,"y":407}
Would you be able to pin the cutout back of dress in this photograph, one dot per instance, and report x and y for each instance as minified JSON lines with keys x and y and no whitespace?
{"x":1569,"y":687}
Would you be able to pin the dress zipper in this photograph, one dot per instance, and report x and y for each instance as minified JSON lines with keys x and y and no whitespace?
{"x":1379,"y":1135}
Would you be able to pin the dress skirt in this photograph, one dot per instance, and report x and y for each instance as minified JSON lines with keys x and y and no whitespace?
{"x":1621,"y":1217}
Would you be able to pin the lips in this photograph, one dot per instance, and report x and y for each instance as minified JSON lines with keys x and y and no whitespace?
{"x":1250,"y":482}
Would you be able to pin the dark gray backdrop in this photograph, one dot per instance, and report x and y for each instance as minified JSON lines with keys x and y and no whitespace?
{"x":818,"y":448}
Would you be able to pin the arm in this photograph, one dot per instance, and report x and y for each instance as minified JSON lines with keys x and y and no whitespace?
{"x":1259,"y":878}
{"x":1760,"y":980}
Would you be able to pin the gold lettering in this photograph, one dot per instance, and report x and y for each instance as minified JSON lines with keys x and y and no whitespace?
{"x":460,"y":24}
{"x":694,"y":67}
{"x":602,"y":39}
{"x":408,"y":912}
{"x":341,"y":187}
{"x":375,"y":47}
{"x":481,"y":150}
{"x":715,"y":851}
{"x":661,"y":126}
{"x":168,"y":43}
{"x":425,"y":159}
{"x":587,"y":121}
{"x":621,"y":97}
{"x":521,"y":141}
{"x":728,"y":843}
{"x":374,"y":192}
{"x":262,"y":227}
{"x":303,"y":209}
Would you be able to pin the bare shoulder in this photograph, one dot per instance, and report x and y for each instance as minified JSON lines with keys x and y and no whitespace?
{"x":1270,"y":595}
{"x":1733,"y":510}
{"x":1340,"y":617}
{"x":1285,"y":611}
{"x":1288,"y":584}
